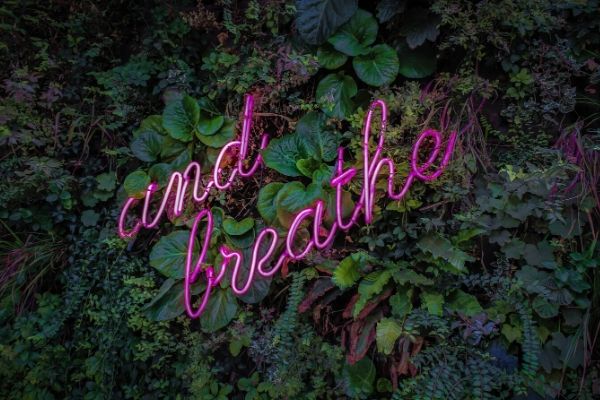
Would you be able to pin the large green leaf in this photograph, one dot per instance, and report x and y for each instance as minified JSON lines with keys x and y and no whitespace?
{"x":378,"y":67}
{"x":370,"y":286}
{"x":266,"y":201}
{"x":387,"y":9}
{"x":315,"y":139}
{"x":136,"y":184}
{"x":330,"y":58}
{"x":359,"y":378}
{"x":281,"y":155}
{"x":208,"y":126}
{"x":401,"y":303}
{"x":220,"y":310}
{"x":180,"y":118}
{"x":222,"y":137}
{"x":433,"y":303}
{"x":335,"y":93}
{"x":355,"y":36}
{"x":388,"y":331}
{"x":419,"y":25}
{"x":233,"y":227}
{"x":417,"y":63}
{"x":169,"y":254}
{"x":147,"y":146}
{"x":168,"y":302}
{"x":292,"y":198}
{"x":153,"y":123}
{"x":318,"y":19}
{"x":464,"y":303}
{"x":346,"y":273}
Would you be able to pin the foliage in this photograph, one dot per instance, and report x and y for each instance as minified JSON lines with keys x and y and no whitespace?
{"x":481,"y":284}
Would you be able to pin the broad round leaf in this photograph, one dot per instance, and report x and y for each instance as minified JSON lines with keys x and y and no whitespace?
{"x":330,"y":58}
{"x":417,"y":63}
{"x":318,"y":19}
{"x":281,"y":155}
{"x":160,"y":173}
{"x":378,"y":67}
{"x":147,"y":146}
{"x":209,"y":126}
{"x":233,"y":227}
{"x":153,"y":123}
{"x":136,"y":184}
{"x":225,"y":134}
{"x":356,"y":35}
{"x":315,"y":139}
{"x":180,"y":118}
{"x":168,"y":302}
{"x":220,"y":310}
{"x":334,"y":94}
{"x":266,"y":201}
{"x":169,"y":254}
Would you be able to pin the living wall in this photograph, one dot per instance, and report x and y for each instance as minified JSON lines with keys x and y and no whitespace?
{"x":481,"y":284}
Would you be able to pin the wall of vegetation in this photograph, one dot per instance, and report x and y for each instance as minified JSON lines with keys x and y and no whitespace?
{"x":483,"y":284}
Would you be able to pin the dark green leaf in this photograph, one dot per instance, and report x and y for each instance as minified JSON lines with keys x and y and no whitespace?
{"x":355,"y":36}
{"x":318,"y":19}
{"x":378,"y":67}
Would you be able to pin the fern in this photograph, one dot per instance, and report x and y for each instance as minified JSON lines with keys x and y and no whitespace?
{"x":287,"y":322}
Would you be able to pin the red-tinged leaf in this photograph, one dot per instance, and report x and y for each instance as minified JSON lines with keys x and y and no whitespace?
{"x":350,"y":307}
{"x":362,"y":336}
{"x":318,"y":289}
{"x":284,"y":268}
{"x":374,"y":303}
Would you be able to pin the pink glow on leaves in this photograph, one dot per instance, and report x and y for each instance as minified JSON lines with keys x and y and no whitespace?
{"x":267,"y":240}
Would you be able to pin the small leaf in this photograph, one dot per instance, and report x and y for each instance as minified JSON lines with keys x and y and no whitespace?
{"x":355,"y":36}
{"x":180,"y":118}
{"x":544,"y":308}
{"x":334,"y":94}
{"x":136,"y":184}
{"x":330,"y":58}
{"x":89,"y":218}
{"x":388,"y":331}
{"x":378,"y":67}
{"x":233,"y":227}
{"x":107,"y":181}
{"x":318,"y":19}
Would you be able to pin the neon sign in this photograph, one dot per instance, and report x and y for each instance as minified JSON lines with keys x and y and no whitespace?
{"x":268,"y":239}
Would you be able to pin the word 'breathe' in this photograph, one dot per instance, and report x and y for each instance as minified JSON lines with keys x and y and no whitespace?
{"x":263,"y":259}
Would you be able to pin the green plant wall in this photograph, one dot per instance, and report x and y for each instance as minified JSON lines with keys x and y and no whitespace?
{"x":482,"y":284}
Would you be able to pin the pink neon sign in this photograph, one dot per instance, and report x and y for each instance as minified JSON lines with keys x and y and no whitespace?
{"x":268,"y":238}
